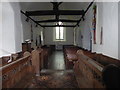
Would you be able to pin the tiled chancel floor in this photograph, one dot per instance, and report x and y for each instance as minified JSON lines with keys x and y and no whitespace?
{"x":51,"y":79}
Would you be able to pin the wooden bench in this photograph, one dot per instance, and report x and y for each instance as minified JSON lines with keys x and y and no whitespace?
{"x":8,"y":59}
{"x":4,"y":60}
{"x":92,"y":70}
{"x":26,"y":47}
{"x":70,"y":56}
{"x":40,"y":58}
{"x":13,"y":72}
{"x":37,"y":60}
{"x":47,"y":51}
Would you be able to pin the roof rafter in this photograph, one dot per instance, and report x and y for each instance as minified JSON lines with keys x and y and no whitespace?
{"x":52,"y":12}
{"x":58,"y":25}
{"x":54,"y":20}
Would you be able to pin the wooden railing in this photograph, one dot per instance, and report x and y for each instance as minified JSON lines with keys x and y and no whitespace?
{"x":15,"y":71}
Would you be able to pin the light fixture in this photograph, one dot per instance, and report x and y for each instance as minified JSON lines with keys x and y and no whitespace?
{"x":27,"y":19}
{"x":36,"y":25}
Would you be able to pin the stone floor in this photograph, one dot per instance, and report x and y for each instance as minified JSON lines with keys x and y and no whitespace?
{"x":50,"y":79}
{"x":56,"y":61}
{"x":56,"y":76}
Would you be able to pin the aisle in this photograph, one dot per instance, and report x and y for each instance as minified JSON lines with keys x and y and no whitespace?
{"x":56,"y":61}
{"x":56,"y":76}
{"x":50,"y":79}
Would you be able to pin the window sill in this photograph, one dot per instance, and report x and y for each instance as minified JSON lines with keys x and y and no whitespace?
{"x":59,"y":40}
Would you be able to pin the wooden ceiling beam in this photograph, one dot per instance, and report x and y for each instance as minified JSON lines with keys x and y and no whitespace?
{"x":52,"y":12}
{"x":82,"y":17}
{"x":58,"y":25}
{"x":54,"y":20}
{"x":30,"y":18}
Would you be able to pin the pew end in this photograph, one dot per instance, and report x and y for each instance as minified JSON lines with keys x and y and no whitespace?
{"x":111,"y":76}
{"x":13,"y":72}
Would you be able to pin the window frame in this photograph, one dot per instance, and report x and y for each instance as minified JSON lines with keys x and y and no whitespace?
{"x":64,"y":34}
{"x":59,"y":33}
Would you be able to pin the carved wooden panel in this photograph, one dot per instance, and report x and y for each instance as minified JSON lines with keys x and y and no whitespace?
{"x":26,"y":47}
{"x":91,"y":72}
{"x":36,"y":60}
{"x":15,"y":71}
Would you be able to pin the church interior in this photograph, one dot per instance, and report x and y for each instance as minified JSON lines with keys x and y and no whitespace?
{"x":60,"y":44}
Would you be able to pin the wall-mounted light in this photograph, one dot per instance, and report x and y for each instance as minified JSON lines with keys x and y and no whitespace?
{"x":27,"y":20}
{"x":36,"y":25}
{"x":83,"y":19}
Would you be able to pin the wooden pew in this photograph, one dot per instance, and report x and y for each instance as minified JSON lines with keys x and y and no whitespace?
{"x":70,"y":56}
{"x":37,"y":60}
{"x":105,"y":60}
{"x":47,"y":52}
{"x":4,"y":60}
{"x":26,"y":47}
{"x":91,"y":72}
{"x":102,"y":59}
{"x":111,"y":76}
{"x":13,"y":72}
{"x":88,"y":72}
{"x":8,"y":59}
{"x":40,"y":58}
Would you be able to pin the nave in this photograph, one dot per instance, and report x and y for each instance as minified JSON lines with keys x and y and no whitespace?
{"x":59,"y":44}
{"x":49,"y":79}
{"x":56,"y":61}
{"x":73,"y":67}
{"x":54,"y":75}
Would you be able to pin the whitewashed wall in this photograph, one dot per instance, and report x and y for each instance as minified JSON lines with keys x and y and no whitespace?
{"x":17,"y":26}
{"x":110,"y":30}
{"x":108,"y":19}
{"x":11,"y":28}
{"x":78,"y":38}
{"x":48,"y":35}
{"x":8,"y":31}
{"x":36,"y":33}
{"x":27,"y":30}
{"x":26,"y":26}
{"x":119,"y":30}
{"x":84,"y":30}
{"x":15,"y":29}
{"x":0,"y":28}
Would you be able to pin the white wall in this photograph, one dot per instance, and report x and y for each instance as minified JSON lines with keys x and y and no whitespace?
{"x":36,"y":33}
{"x":15,"y":29}
{"x":8,"y":29}
{"x":48,"y":33}
{"x":84,"y":30}
{"x":119,"y":30}
{"x":108,"y":19}
{"x":11,"y":28}
{"x":0,"y":27}
{"x":26,"y":26}
{"x":110,"y":31}
{"x":17,"y":26}
{"x":78,"y":39}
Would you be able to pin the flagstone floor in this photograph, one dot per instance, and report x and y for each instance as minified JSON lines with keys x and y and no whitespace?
{"x":50,"y":79}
